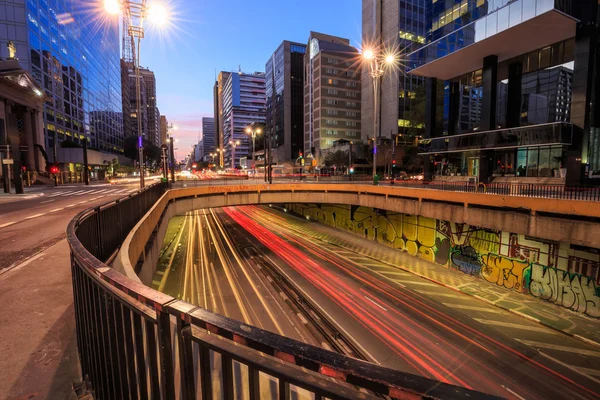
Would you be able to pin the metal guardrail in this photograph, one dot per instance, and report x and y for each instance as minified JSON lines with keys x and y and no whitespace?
{"x":135,"y":342}
{"x":585,"y":193}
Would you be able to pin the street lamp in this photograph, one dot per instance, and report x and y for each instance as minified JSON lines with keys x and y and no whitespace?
{"x":221,"y":152}
{"x":134,"y":13}
{"x":376,"y":66}
{"x":233,"y":146}
{"x":253,"y":133}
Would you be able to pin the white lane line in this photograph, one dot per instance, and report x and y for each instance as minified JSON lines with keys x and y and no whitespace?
{"x":47,"y":201}
{"x":472,"y":308}
{"x":513,"y":393}
{"x":85,"y":192}
{"x":71,"y":205}
{"x":7,"y":224}
{"x":56,"y":209}
{"x":60,"y":193}
{"x":372,"y":301}
{"x":516,"y":326}
{"x":101,"y":191}
{"x":72,"y":193}
{"x":33,"y":216}
{"x":420,"y":283}
{"x":110,"y":191}
{"x":433,"y":293}
{"x":82,"y":202}
{"x":558,"y":347}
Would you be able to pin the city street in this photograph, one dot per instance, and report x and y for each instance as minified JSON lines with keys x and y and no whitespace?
{"x":394,"y":318}
{"x":39,"y":219}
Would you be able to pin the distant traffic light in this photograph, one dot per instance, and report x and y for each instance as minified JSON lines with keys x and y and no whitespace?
{"x":394,"y":163}
{"x":53,"y":169}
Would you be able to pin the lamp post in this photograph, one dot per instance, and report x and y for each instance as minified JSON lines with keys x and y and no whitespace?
{"x":253,"y":133}
{"x":221,"y":151}
{"x":376,"y":71}
{"x":233,"y":146}
{"x":212,"y":156}
{"x":135,"y":12}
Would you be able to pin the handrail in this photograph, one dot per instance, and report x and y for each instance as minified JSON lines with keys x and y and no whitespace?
{"x":122,"y":326}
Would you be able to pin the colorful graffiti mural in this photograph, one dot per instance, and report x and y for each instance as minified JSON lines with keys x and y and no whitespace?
{"x":513,"y":261}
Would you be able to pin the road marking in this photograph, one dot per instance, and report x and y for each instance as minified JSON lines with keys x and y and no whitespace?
{"x":560,"y":348}
{"x":47,"y":201}
{"x":100,"y":191}
{"x":33,"y":216}
{"x":60,"y":193}
{"x":7,"y":224}
{"x":472,"y":308}
{"x":76,"y":193}
{"x":84,"y":192}
{"x":56,"y":209}
{"x":516,"y":326}
{"x":372,"y":301}
{"x":83,"y":202}
{"x":587,"y":372}
{"x":513,"y":393}
{"x":69,"y":206}
{"x":433,"y":293}
{"x":396,"y":273}
{"x":420,"y":283}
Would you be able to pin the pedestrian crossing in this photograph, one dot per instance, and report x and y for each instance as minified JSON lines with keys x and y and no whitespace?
{"x":93,"y":192}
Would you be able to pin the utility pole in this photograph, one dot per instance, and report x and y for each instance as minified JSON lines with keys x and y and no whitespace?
{"x":172,"y":160}
{"x":86,"y":170}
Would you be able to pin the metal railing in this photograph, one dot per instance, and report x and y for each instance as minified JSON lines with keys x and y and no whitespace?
{"x":585,"y":193}
{"x":135,"y":342}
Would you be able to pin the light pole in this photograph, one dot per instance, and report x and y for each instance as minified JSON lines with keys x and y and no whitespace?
{"x":212,"y":156}
{"x":376,"y":67}
{"x":233,"y":146}
{"x":221,"y":151}
{"x":253,"y":133}
{"x":135,"y":12}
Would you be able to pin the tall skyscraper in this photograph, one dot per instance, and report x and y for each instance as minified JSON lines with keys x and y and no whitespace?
{"x":164,"y":129}
{"x":528,"y":69}
{"x":153,"y":133}
{"x":76,"y":63}
{"x":332,"y":93}
{"x":392,"y":27}
{"x":284,"y":73}
{"x":208,"y":135}
{"x":243,"y":105}
{"x":218,"y":100}
{"x":129,"y":99}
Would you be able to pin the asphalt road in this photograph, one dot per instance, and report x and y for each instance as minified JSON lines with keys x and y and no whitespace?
{"x":33,"y":222}
{"x":399,"y":326}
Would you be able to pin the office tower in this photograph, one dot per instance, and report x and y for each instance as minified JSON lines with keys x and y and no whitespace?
{"x":218,"y":111}
{"x":208,"y":135}
{"x":393,"y":27}
{"x":153,"y":133}
{"x":284,"y":73}
{"x":77,"y":64}
{"x":243,"y":105}
{"x":129,"y":106}
{"x":542,"y":54}
{"x":332,"y":94}
{"x":164,"y":129}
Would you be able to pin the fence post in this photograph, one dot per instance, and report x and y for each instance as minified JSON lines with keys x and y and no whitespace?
{"x":163,"y":325}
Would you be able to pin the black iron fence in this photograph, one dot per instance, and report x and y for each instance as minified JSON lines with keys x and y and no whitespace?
{"x":586,"y":193}
{"x":137,"y":343}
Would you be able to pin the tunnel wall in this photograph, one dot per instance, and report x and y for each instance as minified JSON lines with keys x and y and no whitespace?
{"x":515,"y":261}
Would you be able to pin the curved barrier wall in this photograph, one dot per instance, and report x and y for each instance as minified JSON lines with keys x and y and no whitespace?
{"x":135,"y":342}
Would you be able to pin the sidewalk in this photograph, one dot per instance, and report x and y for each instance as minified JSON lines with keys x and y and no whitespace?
{"x":37,"y":340}
{"x":546,"y":313}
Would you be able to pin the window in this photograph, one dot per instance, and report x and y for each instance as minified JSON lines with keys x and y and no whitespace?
{"x":331,"y":71}
{"x":332,"y":61}
{"x":351,"y":94}
{"x":330,"y":132}
{"x":332,"y":81}
{"x":332,"y":112}
{"x":350,"y":113}
{"x":332,"y":91}
{"x":352,"y":84}
{"x":351,"y":123}
{"x":351,"y":104}
{"x":332,"y":102}
{"x":331,"y":122}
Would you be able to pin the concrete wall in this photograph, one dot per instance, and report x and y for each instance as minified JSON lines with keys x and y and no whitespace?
{"x":525,"y":264}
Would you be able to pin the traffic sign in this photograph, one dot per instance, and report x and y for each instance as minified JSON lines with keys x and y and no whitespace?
{"x":8,"y":161}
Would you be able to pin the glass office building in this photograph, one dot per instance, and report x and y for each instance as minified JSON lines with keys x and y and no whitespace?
{"x":73,"y":52}
{"x":510,"y":89}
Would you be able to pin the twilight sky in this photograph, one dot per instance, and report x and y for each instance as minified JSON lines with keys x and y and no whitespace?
{"x":222,"y":35}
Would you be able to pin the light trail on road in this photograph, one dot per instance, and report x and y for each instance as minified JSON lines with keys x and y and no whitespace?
{"x":426,"y":337}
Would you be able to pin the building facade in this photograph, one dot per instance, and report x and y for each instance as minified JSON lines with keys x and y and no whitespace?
{"x":219,"y":110}
{"x":153,"y":132}
{"x":164,"y":129}
{"x":76,"y":63}
{"x":393,"y":27}
{"x":332,"y":94}
{"x":208,"y":136}
{"x":285,"y":101}
{"x":129,"y":102}
{"x":529,"y":70}
{"x":244,"y":104}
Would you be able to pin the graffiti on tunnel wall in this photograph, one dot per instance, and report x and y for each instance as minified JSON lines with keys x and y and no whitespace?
{"x":554,"y":271}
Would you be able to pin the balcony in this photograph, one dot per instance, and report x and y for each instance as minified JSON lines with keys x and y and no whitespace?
{"x":558,"y":133}
{"x":516,"y":28}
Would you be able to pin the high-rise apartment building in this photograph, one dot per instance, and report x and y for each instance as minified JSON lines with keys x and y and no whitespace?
{"x":531,"y":66}
{"x":153,"y":133}
{"x":332,"y":94}
{"x":164,"y":129}
{"x":284,"y":73}
{"x":392,"y":27}
{"x":219,"y":110}
{"x":208,"y":135}
{"x":76,"y":63}
{"x":244,"y":104}
{"x":129,"y":101}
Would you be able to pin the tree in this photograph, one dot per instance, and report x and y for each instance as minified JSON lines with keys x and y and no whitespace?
{"x":339,"y":158}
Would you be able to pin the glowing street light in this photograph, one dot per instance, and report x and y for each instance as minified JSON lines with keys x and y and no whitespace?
{"x":112,"y":6}
{"x":253,"y":133}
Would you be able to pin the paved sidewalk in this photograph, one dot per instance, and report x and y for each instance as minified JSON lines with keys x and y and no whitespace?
{"x":37,"y":340}
{"x":545,"y":313}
